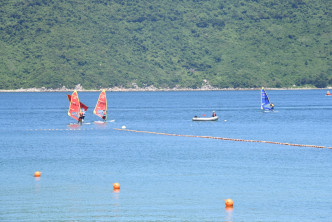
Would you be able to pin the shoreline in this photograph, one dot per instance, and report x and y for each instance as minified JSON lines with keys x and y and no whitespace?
{"x":148,"y":89}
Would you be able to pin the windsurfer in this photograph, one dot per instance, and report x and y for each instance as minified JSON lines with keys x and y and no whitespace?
{"x":81,"y":116}
{"x":101,"y":106}
{"x":213,"y":114}
{"x":271,"y":106}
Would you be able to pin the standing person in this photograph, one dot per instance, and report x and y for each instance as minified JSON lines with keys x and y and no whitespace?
{"x":81,"y":116}
{"x":214,"y":114}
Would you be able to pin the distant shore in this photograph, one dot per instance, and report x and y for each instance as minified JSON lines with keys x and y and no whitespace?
{"x":148,"y":89}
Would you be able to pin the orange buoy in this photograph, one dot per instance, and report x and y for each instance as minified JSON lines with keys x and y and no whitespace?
{"x":37,"y":174}
{"x":229,"y":203}
{"x":116,"y":186}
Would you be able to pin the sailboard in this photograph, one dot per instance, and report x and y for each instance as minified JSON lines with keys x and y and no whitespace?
{"x":75,"y":107}
{"x":265,"y":101}
{"x":101,"y":106}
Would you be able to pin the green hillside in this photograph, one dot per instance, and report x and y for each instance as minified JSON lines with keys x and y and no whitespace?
{"x":165,"y":43}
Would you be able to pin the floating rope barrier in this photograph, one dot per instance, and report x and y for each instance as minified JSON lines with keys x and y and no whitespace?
{"x":205,"y":137}
{"x":73,"y":129}
{"x":222,"y":138}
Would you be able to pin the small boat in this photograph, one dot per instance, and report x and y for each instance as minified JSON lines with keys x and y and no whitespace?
{"x":213,"y":118}
{"x":265,"y":101}
{"x":328,"y":93}
{"x":101,"y":106}
{"x":76,"y":108}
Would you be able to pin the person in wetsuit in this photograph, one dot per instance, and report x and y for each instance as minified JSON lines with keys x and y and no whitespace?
{"x":81,"y":116}
{"x":104,"y":115}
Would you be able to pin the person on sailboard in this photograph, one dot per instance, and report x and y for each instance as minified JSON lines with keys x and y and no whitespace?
{"x":214,"y":114}
{"x":104,"y":114}
{"x":271,"y":106}
{"x":81,"y":116}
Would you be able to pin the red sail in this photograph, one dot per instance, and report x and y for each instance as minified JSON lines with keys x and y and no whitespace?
{"x":101,"y":106}
{"x":74,"y":108}
{"x":81,"y":104}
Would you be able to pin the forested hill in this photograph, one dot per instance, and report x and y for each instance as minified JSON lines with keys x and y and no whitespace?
{"x":165,"y":43}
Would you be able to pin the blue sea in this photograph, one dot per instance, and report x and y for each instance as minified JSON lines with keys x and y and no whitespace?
{"x":166,"y":178}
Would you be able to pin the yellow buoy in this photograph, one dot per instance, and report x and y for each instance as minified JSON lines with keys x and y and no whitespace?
{"x":116,"y":186}
{"x":37,"y":174}
{"x":229,"y":203}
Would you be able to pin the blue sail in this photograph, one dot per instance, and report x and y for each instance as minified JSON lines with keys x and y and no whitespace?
{"x":265,"y":103}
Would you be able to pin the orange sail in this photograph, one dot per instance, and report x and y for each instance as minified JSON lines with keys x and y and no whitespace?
{"x":101,"y":106}
{"x":74,"y":108}
{"x":81,"y":104}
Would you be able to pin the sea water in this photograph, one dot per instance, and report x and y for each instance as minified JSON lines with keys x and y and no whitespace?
{"x":166,"y":178}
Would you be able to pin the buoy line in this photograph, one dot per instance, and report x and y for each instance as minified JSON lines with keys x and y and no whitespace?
{"x":222,"y":138}
{"x":78,"y":129}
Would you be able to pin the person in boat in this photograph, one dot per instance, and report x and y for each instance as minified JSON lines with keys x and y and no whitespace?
{"x":271,"y":106}
{"x":214,"y":114}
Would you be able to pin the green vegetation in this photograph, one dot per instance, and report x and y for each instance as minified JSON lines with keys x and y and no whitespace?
{"x":165,"y":43}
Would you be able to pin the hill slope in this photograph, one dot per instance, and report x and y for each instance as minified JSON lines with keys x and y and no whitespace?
{"x":165,"y":43}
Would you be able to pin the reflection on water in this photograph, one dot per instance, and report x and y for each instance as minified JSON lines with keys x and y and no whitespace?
{"x":37,"y":185}
{"x":229,"y":214}
{"x":74,"y":126}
